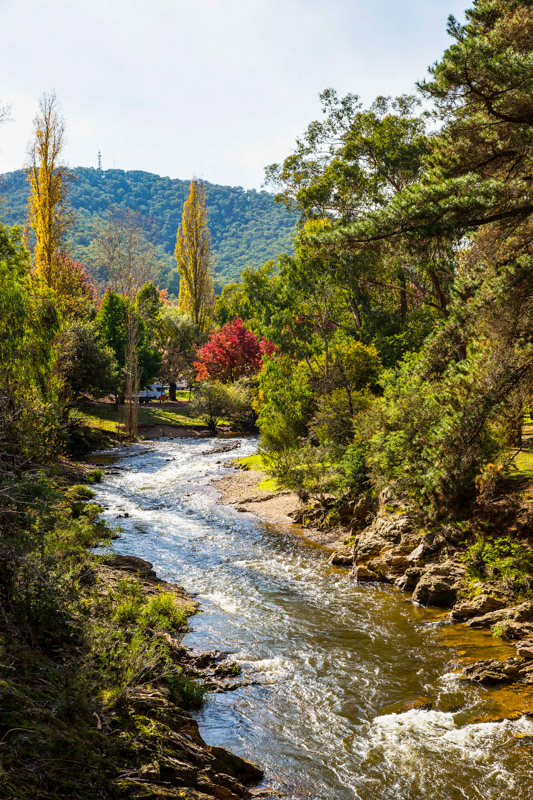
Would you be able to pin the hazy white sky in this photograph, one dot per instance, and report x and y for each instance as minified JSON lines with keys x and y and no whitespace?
{"x":215,"y":89}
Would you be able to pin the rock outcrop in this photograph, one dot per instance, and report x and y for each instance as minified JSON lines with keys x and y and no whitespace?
{"x":438,"y":585}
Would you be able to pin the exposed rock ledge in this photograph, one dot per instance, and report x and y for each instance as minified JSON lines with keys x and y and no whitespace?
{"x":390,"y":545}
{"x":394,"y":548}
{"x":181,"y":763}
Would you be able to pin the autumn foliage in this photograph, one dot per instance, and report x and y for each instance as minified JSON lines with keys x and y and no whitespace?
{"x":230,"y":353}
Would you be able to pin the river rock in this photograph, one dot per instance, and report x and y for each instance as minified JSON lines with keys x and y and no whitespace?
{"x":519,"y":618}
{"x":409,"y":579}
{"x":390,"y":563}
{"x":439,"y":584}
{"x":403,"y":706}
{"x":386,"y":529}
{"x":491,"y":671}
{"x":525,"y":648}
{"x":342,"y":558}
{"x":235,"y":766}
{"x":362,"y":512}
{"x":362,"y":574}
{"x":475,"y":607}
{"x":524,"y":612}
{"x":150,"y":771}
{"x":489,"y":619}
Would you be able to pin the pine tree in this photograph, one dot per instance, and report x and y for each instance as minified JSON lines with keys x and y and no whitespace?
{"x":193,"y":256}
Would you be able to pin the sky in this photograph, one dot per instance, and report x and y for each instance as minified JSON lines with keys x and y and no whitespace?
{"x":211,"y":89}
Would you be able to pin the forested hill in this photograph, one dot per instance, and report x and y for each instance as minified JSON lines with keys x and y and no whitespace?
{"x":247,"y":227}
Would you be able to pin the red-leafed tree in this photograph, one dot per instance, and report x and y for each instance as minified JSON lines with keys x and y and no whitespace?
{"x":231,"y":352}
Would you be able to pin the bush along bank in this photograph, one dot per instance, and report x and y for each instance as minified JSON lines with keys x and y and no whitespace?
{"x":481,"y":567}
{"x":96,"y":687}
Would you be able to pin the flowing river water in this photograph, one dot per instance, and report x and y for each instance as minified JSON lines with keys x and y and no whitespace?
{"x":325,"y":659}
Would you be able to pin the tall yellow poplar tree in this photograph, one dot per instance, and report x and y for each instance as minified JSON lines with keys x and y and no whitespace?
{"x":48,"y":214}
{"x":193,"y":256}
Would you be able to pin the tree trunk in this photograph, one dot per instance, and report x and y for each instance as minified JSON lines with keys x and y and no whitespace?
{"x":403,"y":299}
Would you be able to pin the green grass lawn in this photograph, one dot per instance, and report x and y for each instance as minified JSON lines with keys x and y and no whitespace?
{"x":256,"y":463}
{"x":251,"y":462}
{"x":104,"y":416}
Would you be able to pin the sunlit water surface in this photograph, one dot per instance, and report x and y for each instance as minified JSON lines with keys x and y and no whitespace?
{"x":324,"y":657}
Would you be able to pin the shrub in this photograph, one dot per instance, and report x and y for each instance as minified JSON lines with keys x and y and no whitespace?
{"x":162,"y":611}
{"x":80,"y":492}
{"x":211,"y":403}
{"x":95,"y":476}
{"x":285,"y":403}
{"x":353,"y":467}
{"x":240,"y":409}
{"x":502,"y":559}
{"x":127,"y":613}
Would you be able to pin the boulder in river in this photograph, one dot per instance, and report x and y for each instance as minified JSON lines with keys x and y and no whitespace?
{"x":403,"y":706}
{"x":362,"y":574}
{"x":489,"y":671}
{"x":237,"y":767}
{"x":342,"y":558}
{"x":439,"y":584}
{"x":476,"y":606}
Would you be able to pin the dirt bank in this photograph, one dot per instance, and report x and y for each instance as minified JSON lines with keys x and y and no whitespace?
{"x":242,"y":489}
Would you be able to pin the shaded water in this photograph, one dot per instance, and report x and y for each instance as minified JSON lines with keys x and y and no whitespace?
{"x":325,"y":658}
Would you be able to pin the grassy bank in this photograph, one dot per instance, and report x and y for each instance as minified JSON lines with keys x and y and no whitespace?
{"x":257,"y":463}
{"x":105,"y":416}
{"x":95,"y":685}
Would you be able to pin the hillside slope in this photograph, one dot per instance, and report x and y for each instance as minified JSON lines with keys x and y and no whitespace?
{"x":247,"y":227}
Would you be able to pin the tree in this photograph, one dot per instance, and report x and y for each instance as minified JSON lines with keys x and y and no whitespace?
{"x":126,"y":251}
{"x":48,"y":177}
{"x":177,"y":337}
{"x":193,"y":256}
{"x":230,"y":353}
{"x":84,"y":363}
{"x":29,"y":410}
{"x":113,"y":320}
{"x":75,"y":295}
{"x":148,"y":304}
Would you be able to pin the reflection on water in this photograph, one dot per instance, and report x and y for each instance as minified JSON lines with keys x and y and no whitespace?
{"x":326,"y":659}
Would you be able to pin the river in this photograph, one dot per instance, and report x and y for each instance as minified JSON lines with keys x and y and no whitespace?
{"x":325,"y":659}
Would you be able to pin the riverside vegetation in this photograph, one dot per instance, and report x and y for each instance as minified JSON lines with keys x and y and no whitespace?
{"x":387,"y":363}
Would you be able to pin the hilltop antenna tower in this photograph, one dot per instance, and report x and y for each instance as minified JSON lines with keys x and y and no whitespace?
{"x":99,"y":161}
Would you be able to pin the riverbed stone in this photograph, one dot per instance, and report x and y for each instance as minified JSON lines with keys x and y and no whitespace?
{"x":475,"y":607}
{"x":518,"y":620}
{"x":439,"y":584}
{"x":489,"y":619}
{"x":409,"y":579}
{"x":235,"y":766}
{"x":403,"y":706}
{"x":525,"y":648}
{"x":342,"y":558}
{"x":362,"y":574}
{"x":489,"y":671}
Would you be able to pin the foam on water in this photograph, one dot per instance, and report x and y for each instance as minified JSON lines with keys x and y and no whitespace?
{"x":322,"y":656}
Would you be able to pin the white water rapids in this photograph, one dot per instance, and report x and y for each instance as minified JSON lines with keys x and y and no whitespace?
{"x":324,"y":657}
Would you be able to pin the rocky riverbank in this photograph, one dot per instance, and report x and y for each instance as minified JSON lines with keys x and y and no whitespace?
{"x":173,"y":759}
{"x":391,"y":544}
{"x":384,"y":540}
